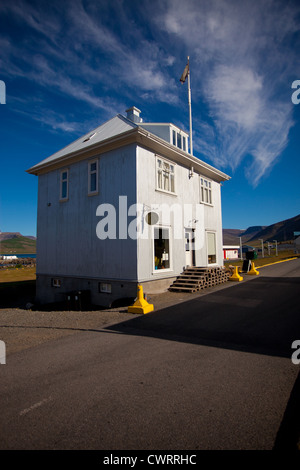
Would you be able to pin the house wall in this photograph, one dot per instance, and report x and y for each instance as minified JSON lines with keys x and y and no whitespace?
{"x":187,"y":193}
{"x":67,"y":244}
{"x":69,"y":250}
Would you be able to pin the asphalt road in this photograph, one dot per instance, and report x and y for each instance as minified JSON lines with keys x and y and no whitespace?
{"x":214,"y":372}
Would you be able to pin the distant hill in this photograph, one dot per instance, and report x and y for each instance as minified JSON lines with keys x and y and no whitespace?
{"x":281,"y":231}
{"x":231,"y":236}
{"x":252,"y":232}
{"x":15,"y":243}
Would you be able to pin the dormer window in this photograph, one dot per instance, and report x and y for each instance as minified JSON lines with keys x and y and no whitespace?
{"x":179,"y":140}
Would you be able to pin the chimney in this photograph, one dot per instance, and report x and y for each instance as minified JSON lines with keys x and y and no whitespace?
{"x":133,"y":114}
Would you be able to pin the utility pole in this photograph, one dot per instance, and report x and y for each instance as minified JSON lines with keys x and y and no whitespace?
{"x":184,"y":76}
{"x":241,"y":248}
{"x":276,"y":247}
{"x":262,"y":248}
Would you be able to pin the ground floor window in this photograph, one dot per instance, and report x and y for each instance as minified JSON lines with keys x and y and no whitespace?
{"x":161,"y":248}
{"x":211,"y":247}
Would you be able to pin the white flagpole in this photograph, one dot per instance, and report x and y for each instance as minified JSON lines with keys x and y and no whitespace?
{"x":190,"y":107}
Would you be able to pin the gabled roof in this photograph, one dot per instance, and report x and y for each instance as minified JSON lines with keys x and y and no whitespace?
{"x":115,"y":126}
{"x":117,"y":132}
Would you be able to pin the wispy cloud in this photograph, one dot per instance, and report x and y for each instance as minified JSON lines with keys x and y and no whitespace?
{"x":102,"y":54}
{"x":241,"y":56}
{"x":77,"y":52}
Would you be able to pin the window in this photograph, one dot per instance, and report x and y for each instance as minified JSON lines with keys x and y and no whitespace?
{"x":56,"y":283}
{"x":179,"y":141}
{"x":174,"y":137}
{"x":105,"y":287}
{"x":165,"y":176}
{"x":161,"y":248}
{"x":211,"y":248}
{"x":93,"y":177}
{"x":205,"y":191}
{"x":64,"y":185}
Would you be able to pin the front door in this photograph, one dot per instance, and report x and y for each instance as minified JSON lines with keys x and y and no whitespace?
{"x":189,"y":247}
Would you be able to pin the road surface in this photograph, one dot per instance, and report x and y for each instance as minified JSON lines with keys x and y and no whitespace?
{"x":213,"y":373}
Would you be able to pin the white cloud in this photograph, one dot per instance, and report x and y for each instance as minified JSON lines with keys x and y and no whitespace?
{"x":242,"y":57}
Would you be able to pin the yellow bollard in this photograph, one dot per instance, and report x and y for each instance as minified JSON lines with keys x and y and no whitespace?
{"x":235,"y":276}
{"x":140,"y":305}
{"x":253,"y":271}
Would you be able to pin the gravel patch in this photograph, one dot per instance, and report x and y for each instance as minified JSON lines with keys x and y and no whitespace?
{"x":22,"y":328}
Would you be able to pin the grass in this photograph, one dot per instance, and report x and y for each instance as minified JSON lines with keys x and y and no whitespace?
{"x":18,"y":245}
{"x":17,"y":274}
{"x":282,"y":255}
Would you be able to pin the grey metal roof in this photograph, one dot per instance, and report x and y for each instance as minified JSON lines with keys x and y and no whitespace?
{"x":115,"y":126}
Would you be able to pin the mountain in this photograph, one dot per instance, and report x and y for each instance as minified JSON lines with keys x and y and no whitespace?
{"x":9,"y":235}
{"x":15,"y":243}
{"x":231,"y":236}
{"x":252,"y":232}
{"x":281,"y":231}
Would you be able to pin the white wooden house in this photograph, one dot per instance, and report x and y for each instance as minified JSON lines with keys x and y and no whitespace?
{"x":122,"y":205}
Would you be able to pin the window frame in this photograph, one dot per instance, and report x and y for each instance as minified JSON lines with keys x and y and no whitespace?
{"x":61,"y":182}
{"x":209,"y":188}
{"x":90,"y":173}
{"x":157,"y":186}
{"x":211,"y":232}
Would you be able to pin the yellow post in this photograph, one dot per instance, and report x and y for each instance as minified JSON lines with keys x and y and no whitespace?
{"x":253,"y":271}
{"x":140,"y":305}
{"x":235,"y":276}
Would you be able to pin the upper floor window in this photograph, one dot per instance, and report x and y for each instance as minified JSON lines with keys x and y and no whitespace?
{"x":93,"y":177}
{"x":64,"y":185}
{"x":205,"y":191}
{"x":165,"y":174}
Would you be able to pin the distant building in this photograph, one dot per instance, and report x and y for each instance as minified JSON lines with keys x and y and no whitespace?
{"x":297,"y":242}
{"x":231,"y":251}
{"x":122,"y":205}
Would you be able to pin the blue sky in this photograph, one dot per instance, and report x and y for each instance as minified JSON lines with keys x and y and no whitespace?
{"x":70,"y":65}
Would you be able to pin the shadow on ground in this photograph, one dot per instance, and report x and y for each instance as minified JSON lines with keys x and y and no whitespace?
{"x":260,"y":317}
{"x":22,"y":295}
{"x":17,"y":294}
{"x":288,"y":436}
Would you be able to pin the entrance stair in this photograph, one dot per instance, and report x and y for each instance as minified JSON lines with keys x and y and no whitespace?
{"x":195,"y":278}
